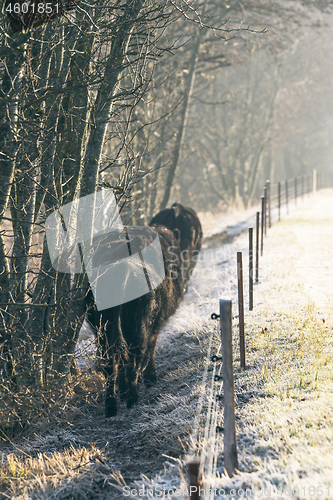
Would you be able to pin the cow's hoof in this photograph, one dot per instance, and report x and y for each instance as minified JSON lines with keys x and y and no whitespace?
{"x":150,"y":383}
{"x":110,"y":408}
{"x":150,"y":379}
{"x":110,"y":412}
{"x":132,"y":402}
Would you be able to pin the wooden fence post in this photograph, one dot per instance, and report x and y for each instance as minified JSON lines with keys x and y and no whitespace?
{"x":250,"y":268}
{"x":279,"y":199}
{"x":257,"y":246}
{"x":265,"y":209}
{"x":230,"y":443}
{"x":287,"y":203}
{"x":262,"y":224}
{"x":193,"y":479}
{"x":268,"y":186}
{"x":241,"y":308}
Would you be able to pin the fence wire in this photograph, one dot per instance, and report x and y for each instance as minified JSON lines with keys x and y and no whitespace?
{"x":206,"y":440}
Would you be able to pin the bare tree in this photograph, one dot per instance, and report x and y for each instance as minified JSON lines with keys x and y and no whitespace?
{"x":61,"y":89}
{"x":104,"y":96}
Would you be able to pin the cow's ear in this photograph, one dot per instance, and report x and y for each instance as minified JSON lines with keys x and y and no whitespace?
{"x":176,"y":232}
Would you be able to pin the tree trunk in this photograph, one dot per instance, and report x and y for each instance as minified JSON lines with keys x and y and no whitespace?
{"x":183,"y":119}
{"x":257,"y":161}
{"x":9,"y":147}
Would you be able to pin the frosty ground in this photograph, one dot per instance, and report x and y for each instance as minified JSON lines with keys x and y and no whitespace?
{"x":283,"y":399}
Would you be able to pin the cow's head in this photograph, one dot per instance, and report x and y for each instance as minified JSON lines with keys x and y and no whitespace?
{"x":184,"y":223}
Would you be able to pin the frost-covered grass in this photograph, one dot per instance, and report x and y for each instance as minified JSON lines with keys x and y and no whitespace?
{"x":284,"y":398}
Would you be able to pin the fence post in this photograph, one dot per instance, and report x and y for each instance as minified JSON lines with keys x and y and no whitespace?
{"x":262,"y":224}
{"x":265,"y":209}
{"x":241,"y":308}
{"x":268,"y":185}
{"x":279,"y":199}
{"x":193,"y":479}
{"x":230,"y":443}
{"x":257,"y":246}
{"x":295,"y":190}
{"x":314,"y":180}
{"x":287,"y":203}
{"x":250,"y":268}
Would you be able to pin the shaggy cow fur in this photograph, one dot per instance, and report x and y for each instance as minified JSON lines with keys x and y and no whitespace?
{"x":127,"y":334}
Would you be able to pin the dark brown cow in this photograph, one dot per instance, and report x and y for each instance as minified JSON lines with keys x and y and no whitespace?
{"x":127,"y":334}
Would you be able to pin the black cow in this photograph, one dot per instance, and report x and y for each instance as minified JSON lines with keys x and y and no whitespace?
{"x":127,"y":334}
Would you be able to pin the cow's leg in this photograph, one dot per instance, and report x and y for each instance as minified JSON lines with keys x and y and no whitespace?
{"x":110,"y":396}
{"x":149,"y":373}
{"x":132,"y":377}
{"x":122,"y":382}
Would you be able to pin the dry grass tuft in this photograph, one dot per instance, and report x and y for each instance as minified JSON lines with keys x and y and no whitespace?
{"x":19,"y":410}
{"x":74,"y":473}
